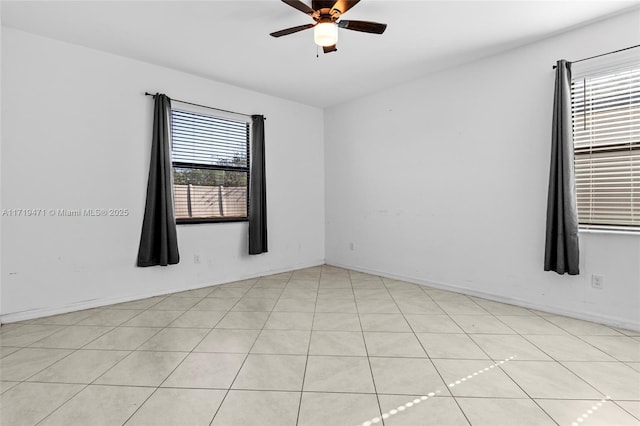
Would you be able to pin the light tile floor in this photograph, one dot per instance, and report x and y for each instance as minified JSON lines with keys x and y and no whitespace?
{"x":319,"y":346}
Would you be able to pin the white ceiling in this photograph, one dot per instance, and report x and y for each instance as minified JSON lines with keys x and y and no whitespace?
{"x":229,"y":41}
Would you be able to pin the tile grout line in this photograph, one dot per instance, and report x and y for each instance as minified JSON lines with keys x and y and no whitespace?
{"x":306,"y":361}
{"x":554,"y":360}
{"x":246,"y":356}
{"x":427,"y":353}
{"x":366,"y":348}
{"x":585,"y":415}
{"x":160,"y":329}
{"x":136,"y":349}
{"x":168,"y":375}
{"x":503,"y":370}
{"x":523,"y":336}
{"x":422,"y":398}
{"x":517,"y":333}
{"x":86,"y":385}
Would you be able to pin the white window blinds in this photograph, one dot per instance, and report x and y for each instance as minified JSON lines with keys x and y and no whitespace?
{"x":208,"y":140}
{"x":606,"y":136}
{"x":210,"y":157}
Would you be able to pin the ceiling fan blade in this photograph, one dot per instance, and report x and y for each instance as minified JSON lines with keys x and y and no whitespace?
{"x":300,"y":6}
{"x":343,"y":5}
{"x":291,"y":30}
{"x":329,"y":49}
{"x":363,"y":26}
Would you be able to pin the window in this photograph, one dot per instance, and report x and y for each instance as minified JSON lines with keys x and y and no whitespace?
{"x":606,"y":137}
{"x":210,"y":157}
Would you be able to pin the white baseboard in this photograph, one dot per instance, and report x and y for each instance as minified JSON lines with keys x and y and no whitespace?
{"x":557,"y":310}
{"x":97,"y":303}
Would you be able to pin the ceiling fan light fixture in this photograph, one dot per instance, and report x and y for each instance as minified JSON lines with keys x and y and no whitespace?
{"x":325,"y":33}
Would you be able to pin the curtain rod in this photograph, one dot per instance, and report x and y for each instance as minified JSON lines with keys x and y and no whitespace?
{"x":603,"y":54}
{"x":203,"y":106}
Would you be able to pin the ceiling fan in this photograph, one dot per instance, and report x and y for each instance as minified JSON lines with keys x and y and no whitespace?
{"x":326,"y":13}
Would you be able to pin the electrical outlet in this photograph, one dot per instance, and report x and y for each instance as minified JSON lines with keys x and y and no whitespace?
{"x":597,"y":281}
{"x":196,"y":258}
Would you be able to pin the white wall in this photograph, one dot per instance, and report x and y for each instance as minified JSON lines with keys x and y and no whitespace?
{"x":77,"y":134}
{"x":440,"y":181}
{"x":444,"y":181}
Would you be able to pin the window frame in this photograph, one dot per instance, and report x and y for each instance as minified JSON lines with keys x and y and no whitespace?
{"x":221,"y":115}
{"x":599,"y":68}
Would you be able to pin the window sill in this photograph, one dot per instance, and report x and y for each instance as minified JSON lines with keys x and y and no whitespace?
{"x":200,"y":221}
{"x":634,"y":232}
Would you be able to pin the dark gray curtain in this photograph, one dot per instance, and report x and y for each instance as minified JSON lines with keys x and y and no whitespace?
{"x":257,"y":190}
{"x":159,"y":242}
{"x":561,"y":247}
